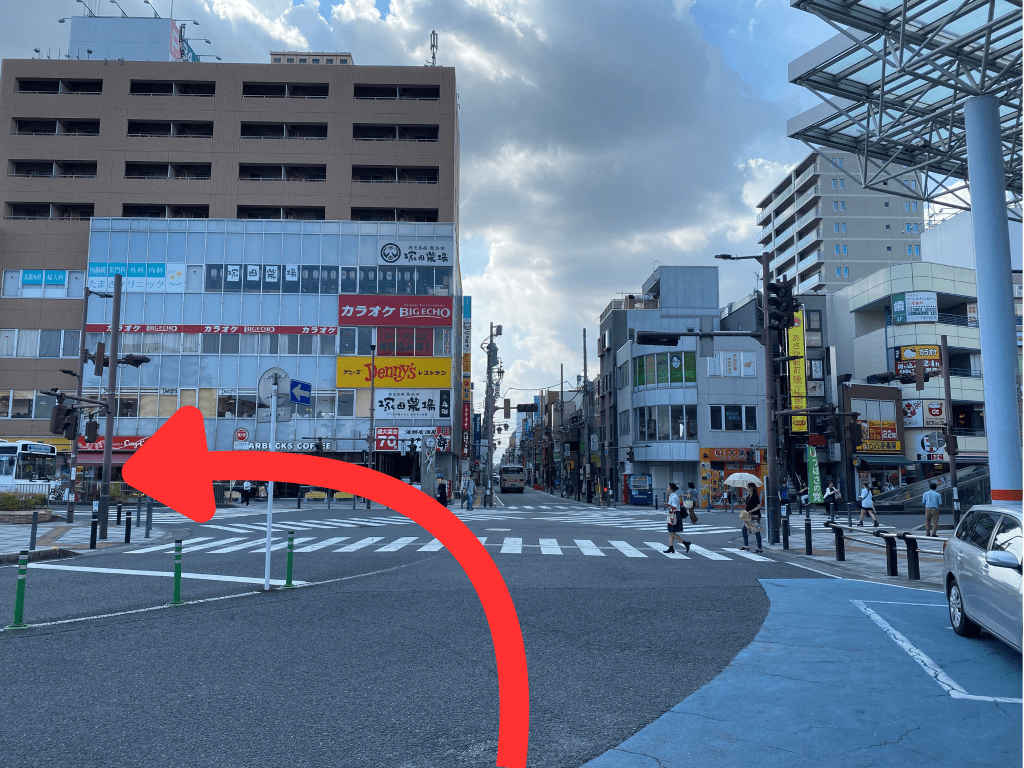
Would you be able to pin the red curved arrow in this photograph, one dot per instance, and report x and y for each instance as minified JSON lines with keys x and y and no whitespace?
{"x":175,"y":467}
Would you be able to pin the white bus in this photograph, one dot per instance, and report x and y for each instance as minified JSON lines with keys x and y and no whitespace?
{"x":512,"y":479}
{"x":27,"y":467}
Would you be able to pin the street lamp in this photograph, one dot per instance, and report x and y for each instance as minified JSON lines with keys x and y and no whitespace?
{"x":155,"y":14}
{"x":207,"y":55}
{"x":88,"y":10}
{"x":123,"y":14}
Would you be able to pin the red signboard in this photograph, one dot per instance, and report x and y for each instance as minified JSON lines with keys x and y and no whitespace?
{"x":119,"y":444}
{"x":302,"y":330}
{"x":386,"y":439}
{"x":395,"y":310}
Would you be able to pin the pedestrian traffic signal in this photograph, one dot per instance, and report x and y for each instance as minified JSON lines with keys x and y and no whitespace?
{"x":57,"y":417}
{"x":783,"y":305}
{"x":100,"y":358}
{"x":951,"y":445}
{"x":508,"y":408}
{"x":833,"y":430}
{"x":92,"y":430}
{"x":856,"y":434}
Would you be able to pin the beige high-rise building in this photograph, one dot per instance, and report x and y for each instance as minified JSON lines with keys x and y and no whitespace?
{"x":824,"y":231}
{"x":260,"y":215}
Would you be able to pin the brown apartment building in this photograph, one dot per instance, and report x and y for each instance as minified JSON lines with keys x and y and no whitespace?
{"x":260,"y":215}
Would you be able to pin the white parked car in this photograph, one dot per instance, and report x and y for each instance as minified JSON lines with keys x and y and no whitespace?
{"x":982,"y":573}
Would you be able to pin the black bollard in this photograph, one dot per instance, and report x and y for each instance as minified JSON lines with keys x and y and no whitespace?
{"x":138,"y":513}
{"x":35,"y":526}
{"x":840,"y":543}
{"x":94,"y":528}
{"x":149,"y":516}
{"x":127,"y":529}
{"x":118,"y":513}
{"x":913,"y":561}
{"x":808,"y":550}
{"x":785,"y":532}
{"x":891,"y":562}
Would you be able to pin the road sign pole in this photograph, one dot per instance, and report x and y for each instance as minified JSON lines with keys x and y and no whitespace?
{"x":270,"y":484}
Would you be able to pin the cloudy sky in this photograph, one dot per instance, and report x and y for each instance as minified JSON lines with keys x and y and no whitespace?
{"x":598,"y":138}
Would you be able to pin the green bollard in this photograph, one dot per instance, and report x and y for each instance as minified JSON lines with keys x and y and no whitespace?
{"x":288,"y":567}
{"x":19,"y":600}
{"x":177,"y":574}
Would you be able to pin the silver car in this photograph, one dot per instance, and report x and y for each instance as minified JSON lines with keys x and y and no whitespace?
{"x":982,"y":573}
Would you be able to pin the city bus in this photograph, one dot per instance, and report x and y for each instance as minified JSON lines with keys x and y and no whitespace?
{"x":512,"y":479}
{"x":28,"y":467}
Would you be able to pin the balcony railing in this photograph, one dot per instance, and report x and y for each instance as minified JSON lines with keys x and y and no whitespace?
{"x":764,"y":214}
{"x":809,"y":238}
{"x":638,"y":302}
{"x":812,"y":192}
{"x":807,"y":260}
{"x":810,"y":282}
{"x":814,"y":213}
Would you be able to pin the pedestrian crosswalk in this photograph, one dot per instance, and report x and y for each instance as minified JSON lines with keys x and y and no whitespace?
{"x":508,"y":545}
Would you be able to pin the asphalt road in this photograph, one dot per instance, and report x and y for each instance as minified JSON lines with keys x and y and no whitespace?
{"x":389,"y":664}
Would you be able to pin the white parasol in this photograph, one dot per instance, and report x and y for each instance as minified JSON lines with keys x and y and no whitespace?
{"x":740,"y":479}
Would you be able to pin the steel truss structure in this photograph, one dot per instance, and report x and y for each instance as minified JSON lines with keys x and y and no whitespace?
{"x":894,"y":82}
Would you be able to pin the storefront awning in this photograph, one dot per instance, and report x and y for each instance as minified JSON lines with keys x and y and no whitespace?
{"x":884,"y":461}
{"x":95,"y":458}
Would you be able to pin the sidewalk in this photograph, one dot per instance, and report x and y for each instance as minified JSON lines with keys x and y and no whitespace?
{"x":74,"y":536}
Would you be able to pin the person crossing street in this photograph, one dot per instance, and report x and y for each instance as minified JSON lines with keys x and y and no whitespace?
{"x":675,"y":520}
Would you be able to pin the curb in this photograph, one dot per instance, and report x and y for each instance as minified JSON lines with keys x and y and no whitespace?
{"x":53,"y":553}
{"x":851,"y":573}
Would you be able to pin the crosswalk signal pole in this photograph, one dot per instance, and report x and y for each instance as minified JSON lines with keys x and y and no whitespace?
{"x":270,"y":484}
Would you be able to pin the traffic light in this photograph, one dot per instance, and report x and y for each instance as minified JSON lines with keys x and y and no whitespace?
{"x":135,"y":361}
{"x":92,"y":430}
{"x":833,"y":429}
{"x":919,"y":378}
{"x":951,"y":446}
{"x":856,"y":434}
{"x":630,"y":455}
{"x":57,"y":417}
{"x":508,"y":408}
{"x":783,"y":305}
{"x":100,"y":358}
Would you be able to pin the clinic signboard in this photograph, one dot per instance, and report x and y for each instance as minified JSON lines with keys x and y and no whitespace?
{"x":915,"y":307}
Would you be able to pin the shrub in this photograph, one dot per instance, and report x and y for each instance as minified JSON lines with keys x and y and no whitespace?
{"x":9,"y":501}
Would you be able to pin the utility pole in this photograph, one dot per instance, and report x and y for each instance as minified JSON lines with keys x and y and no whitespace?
{"x":770,"y":493}
{"x":492,"y":357}
{"x":585,"y":465}
{"x":951,"y":442}
{"x":372,"y":439}
{"x":108,"y":432}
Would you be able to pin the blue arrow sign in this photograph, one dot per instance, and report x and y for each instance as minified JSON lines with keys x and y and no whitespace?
{"x":300,"y":392}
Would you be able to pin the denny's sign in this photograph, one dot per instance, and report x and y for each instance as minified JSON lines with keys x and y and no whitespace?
{"x":395,"y":372}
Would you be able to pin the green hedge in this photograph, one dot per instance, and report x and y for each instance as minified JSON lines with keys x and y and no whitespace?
{"x":13,"y":501}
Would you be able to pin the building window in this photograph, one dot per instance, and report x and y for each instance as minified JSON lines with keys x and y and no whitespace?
{"x":886,"y":205}
{"x":835,"y":205}
{"x":910,"y":250}
{"x":833,"y":184}
{"x":842,"y":205}
{"x":328,"y":61}
{"x":915,"y":205}
{"x":846,"y":271}
{"x":844,"y":227}
{"x":839,"y":271}
{"x":732,"y":364}
{"x":316,"y":61}
{"x":835,"y":227}
{"x":302,"y":61}
{"x":910,"y":228}
{"x":887,"y":226}
{"x":837,"y":250}
{"x":917,"y":250}
{"x":734,"y":418}
{"x":844,"y":250}
{"x":839,"y":162}
{"x":842,"y":183}
{"x":277,"y":59}
{"x":913,"y":184}
{"x":906,"y":205}
{"x":291,"y":60}
{"x":888,"y":247}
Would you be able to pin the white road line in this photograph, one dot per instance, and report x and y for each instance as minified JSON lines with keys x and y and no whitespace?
{"x":233,"y":529}
{"x":333,"y":524}
{"x":527,"y":507}
{"x":657,"y":547}
{"x":512,"y":546}
{"x":397,"y":544}
{"x":341,"y":523}
{"x":589,"y":548}
{"x":251,"y":526}
{"x":748,"y":555}
{"x":166,"y":546}
{"x":431,"y":546}
{"x":322,"y":544}
{"x":216,"y":543}
{"x":550,"y":547}
{"x":132,"y":572}
{"x":482,"y":540}
{"x":360,"y":544}
{"x":283,"y":544}
{"x":543,"y":507}
{"x":933,"y":669}
{"x":707,"y":553}
{"x":245,"y":545}
{"x":287,"y":526}
{"x":626,"y":549}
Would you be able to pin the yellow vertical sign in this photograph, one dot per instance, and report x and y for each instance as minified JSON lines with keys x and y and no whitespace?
{"x":797,"y":371}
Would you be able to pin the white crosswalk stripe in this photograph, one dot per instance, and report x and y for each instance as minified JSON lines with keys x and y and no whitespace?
{"x":207,"y":545}
{"x":431,"y":546}
{"x":512,"y":546}
{"x":284,"y":543}
{"x":550,"y":547}
{"x":322,"y":544}
{"x":748,"y":555}
{"x":694,"y":549}
{"x":360,"y":544}
{"x":626,"y":549}
{"x":589,"y":548}
{"x":167,"y":547}
{"x":657,"y":547}
{"x":246,"y":545}
{"x":397,"y":544}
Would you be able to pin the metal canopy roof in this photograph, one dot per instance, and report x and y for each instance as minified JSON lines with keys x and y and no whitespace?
{"x":894,"y":82}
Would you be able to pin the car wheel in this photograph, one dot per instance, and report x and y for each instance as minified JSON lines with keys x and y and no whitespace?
{"x":962,"y":625}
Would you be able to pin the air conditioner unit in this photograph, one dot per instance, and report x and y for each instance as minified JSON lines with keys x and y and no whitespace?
{"x":638,"y":305}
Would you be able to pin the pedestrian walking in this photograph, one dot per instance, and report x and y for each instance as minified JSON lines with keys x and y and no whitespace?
{"x":691,"y":500}
{"x":831,"y":499}
{"x":442,"y":492}
{"x":675,"y":520}
{"x":867,"y":504}
{"x":470,"y":492}
{"x":751,"y":517}
{"x":931,"y":501}
{"x":246,"y":492}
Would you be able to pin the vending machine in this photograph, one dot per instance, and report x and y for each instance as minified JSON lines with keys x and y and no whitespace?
{"x":641,"y":490}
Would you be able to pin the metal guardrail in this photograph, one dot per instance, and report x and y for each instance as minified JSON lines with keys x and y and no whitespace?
{"x":889,"y":541}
